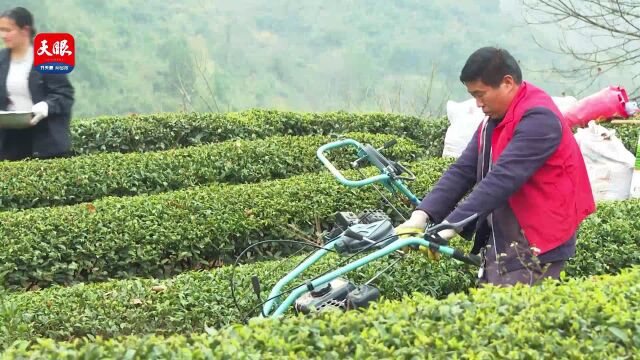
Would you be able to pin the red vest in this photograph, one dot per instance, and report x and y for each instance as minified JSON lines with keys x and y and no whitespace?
{"x":557,"y":197}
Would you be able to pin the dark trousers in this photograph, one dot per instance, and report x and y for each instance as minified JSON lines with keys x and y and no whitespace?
{"x":494,"y":273}
{"x":17,"y":145}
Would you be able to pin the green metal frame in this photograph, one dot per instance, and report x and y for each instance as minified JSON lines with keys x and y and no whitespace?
{"x":384,"y":178}
{"x":273,"y":307}
{"x":300,"y":290}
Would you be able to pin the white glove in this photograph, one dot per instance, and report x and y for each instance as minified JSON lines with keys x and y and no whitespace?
{"x":416,"y":224}
{"x":40,"y":111}
{"x":418,"y":220}
{"x":447,"y":234}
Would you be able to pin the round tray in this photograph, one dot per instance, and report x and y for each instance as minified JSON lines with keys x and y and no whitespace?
{"x":15,"y":119}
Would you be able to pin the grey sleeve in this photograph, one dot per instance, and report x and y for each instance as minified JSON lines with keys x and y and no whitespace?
{"x":454,"y":183}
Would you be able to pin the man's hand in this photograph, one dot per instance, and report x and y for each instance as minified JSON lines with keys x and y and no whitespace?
{"x":447,"y":234}
{"x":40,"y":111}
{"x":416,"y":224}
{"x":418,"y":220}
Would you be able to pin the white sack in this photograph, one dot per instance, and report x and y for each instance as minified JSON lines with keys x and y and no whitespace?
{"x":609,"y":163}
{"x":465,"y":117}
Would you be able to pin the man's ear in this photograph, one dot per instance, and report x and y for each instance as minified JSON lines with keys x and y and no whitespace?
{"x":509,"y":82}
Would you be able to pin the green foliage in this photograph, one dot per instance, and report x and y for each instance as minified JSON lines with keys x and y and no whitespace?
{"x":628,"y":134}
{"x":612,"y":238}
{"x":193,"y":301}
{"x":594,"y":318}
{"x":164,"y":234}
{"x":154,"y":132}
{"x":90,"y":177}
{"x":139,"y":133}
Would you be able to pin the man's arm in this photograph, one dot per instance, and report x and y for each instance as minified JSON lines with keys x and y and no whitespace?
{"x":453,"y":185}
{"x":535,"y":139}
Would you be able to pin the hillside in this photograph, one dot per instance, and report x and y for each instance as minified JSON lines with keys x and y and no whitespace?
{"x":396,"y":56}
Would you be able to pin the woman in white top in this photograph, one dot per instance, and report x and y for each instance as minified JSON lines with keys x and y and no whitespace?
{"x":48,"y":96}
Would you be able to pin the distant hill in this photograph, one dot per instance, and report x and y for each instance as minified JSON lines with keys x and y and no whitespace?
{"x":135,"y":56}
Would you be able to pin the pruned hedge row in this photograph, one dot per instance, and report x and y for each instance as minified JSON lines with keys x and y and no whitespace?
{"x":161,"y":235}
{"x":163,"y":131}
{"x":192,"y":301}
{"x":164,"y":234}
{"x":89,"y":177}
{"x":628,"y":134}
{"x":594,"y":318}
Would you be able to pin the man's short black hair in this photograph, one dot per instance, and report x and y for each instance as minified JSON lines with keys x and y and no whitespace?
{"x":490,"y":65}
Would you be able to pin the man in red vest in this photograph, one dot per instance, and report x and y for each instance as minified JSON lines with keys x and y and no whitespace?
{"x":528,"y":181}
